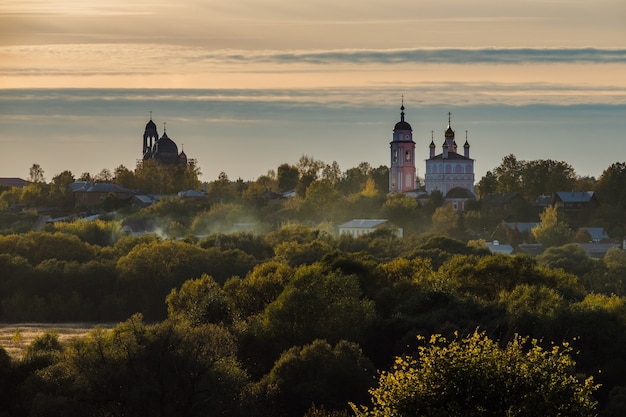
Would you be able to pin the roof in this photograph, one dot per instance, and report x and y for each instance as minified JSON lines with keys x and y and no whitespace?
{"x":575,"y":196}
{"x":544,"y":201}
{"x":402,"y":125}
{"x":497,"y":247}
{"x":596,"y":233}
{"x":13,"y":182}
{"x":98,"y":187}
{"x":192,"y":193}
{"x":451,"y":155}
{"x":520,"y":226}
{"x":363,"y":223}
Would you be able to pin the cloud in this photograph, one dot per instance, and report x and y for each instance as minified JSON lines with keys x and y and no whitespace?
{"x":442,"y":56}
{"x":143,"y":59}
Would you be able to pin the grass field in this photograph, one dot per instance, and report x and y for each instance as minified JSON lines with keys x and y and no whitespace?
{"x":14,"y":338}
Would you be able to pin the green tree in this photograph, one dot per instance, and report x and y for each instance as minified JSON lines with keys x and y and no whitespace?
{"x":546,"y":177}
{"x":474,"y":376}
{"x":167,"y":369}
{"x":60,"y":191}
{"x":572,"y":258}
{"x":611,"y":186}
{"x":200,"y":301}
{"x":446,"y":220}
{"x":488,"y":184}
{"x":318,"y":304}
{"x":287,"y":177}
{"x":509,"y":174}
{"x":551,"y":231}
{"x":321,"y":200}
{"x":259,"y":288}
{"x":124,"y":177}
{"x":317,"y":373}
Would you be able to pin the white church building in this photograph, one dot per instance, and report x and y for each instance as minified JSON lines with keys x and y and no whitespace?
{"x":451,"y":172}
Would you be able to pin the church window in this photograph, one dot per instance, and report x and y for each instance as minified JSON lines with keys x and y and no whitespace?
{"x":395,"y":156}
{"x":407,"y":156}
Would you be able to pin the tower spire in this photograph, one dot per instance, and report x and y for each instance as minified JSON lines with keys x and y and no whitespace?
{"x":402,"y":109}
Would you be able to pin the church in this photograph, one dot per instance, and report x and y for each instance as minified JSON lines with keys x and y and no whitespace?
{"x":161,"y":149}
{"x":450,"y":172}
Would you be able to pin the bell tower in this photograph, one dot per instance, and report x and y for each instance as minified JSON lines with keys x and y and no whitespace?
{"x":150,"y":137}
{"x":402,"y":166}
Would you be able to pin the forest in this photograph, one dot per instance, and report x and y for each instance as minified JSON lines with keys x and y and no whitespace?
{"x":292,"y":319}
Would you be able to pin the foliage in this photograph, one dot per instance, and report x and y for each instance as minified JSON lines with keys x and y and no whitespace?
{"x":571,"y":258}
{"x":611,"y":186}
{"x":318,"y":304}
{"x":95,"y":232}
{"x":200,"y":301}
{"x":317,"y":373}
{"x":168,"y":369}
{"x":551,"y":231}
{"x":473,"y":376}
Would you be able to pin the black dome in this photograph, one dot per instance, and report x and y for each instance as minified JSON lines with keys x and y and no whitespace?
{"x":165,"y":148}
{"x":402,"y":125}
{"x":460,"y":192}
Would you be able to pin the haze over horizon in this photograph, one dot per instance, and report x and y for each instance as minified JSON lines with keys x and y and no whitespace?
{"x":247,"y":85}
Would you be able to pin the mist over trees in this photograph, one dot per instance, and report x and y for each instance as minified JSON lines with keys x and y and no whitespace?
{"x":247,"y":302}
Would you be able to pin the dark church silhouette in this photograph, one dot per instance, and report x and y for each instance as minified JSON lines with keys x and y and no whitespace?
{"x":161,"y":149}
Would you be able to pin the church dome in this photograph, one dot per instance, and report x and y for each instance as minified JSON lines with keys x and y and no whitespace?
{"x":449,"y":131}
{"x":150,"y":125}
{"x":165,"y":149}
{"x":402,"y":125}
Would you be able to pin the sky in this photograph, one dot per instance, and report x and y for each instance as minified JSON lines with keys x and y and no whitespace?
{"x":246,"y":85}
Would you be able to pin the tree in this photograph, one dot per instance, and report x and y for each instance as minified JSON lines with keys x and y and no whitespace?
{"x":287,"y":177}
{"x":167,"y":369}
{"x":611,"y":186}
{"x":509,"y":174}
{"x":200,"y":301}
{"x":60,"y":191}
{"x":546,"y":177}
{"x":317,"y":373}
{"x":474,"y":376}
{"x":380,"y":176}
{"x":487,"y":184}
{"x":550,"y":231}
{"x":571,"y":257}
{"x":36,"y":174}
{"x":332,"y":173}
{"x":446,"y":220}
{"x":309,"y":169}
{"x":321,"y":199}
{"x":104,"y":176}
{"x":124,"y":177}
{"x":318,"y":304}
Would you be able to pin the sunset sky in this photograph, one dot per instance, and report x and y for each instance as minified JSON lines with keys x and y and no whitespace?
{"x":248,"y":84}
